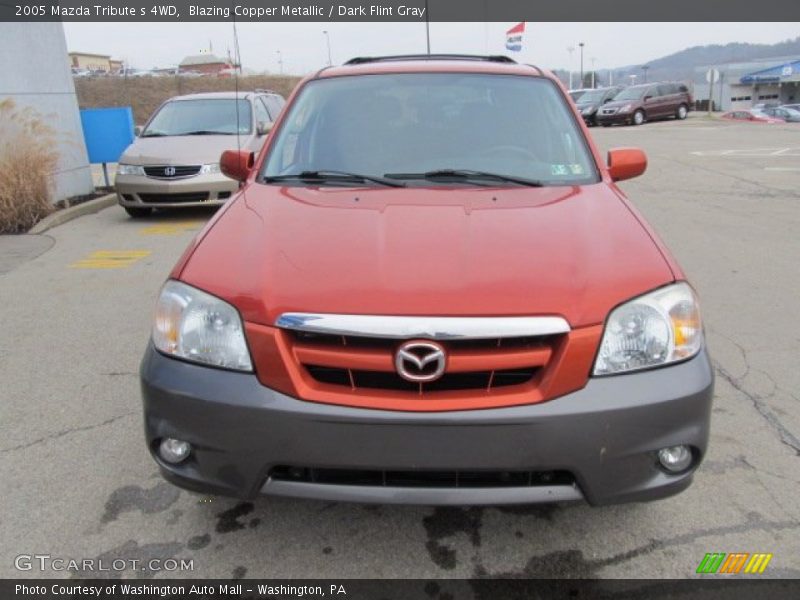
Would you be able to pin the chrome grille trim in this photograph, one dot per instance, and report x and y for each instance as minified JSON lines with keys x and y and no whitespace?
{"x":436,"y":328}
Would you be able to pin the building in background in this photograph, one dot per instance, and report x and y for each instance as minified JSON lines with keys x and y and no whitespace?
{"x":43,"y":82}
{"x":743,"y":85}
{"x":207,"y":64}
{"x":90,"y":62}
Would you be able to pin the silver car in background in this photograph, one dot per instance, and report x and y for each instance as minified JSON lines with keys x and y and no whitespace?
{"x":174,"y":161}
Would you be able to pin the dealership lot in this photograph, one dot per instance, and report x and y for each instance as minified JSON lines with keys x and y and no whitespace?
{"x":79,"y":483}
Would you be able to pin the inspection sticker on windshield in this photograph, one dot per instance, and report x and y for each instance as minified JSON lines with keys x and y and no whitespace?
{"x":559,"y":170}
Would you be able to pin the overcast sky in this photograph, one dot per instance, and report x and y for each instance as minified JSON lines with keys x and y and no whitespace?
{"x":302,"y":45}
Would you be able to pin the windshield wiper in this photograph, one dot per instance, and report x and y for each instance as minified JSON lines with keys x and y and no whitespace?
{"x":206,"y":132}
{"x":466,"y":175}
{"x":153,"y":134}
{"x":334,"y":176}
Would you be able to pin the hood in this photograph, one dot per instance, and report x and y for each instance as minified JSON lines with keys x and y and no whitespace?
{"x":569,"y":251}
{"x":179,"y":149}
{"x":621,"y":103}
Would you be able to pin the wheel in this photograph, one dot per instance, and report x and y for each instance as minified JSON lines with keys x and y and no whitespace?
{"x":137,"y":212}
{"x":638,"y":117}
{"x":682,"y":112}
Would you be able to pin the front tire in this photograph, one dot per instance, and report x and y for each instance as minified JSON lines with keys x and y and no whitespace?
{"x":137,"y":212}
{"x":682,"y":112}
{"x":638,"y":117}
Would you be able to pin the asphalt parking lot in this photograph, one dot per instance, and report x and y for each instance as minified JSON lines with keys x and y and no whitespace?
{"x":78,"y":482}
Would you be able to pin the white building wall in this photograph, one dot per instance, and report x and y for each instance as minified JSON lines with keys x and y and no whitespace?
{"x":35,"y":72}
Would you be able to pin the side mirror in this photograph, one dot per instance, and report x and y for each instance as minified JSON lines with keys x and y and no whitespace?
{"x":236,"y":164}
{"x":137,"y":131}
{"x":263,"y":128}
{"x":607,"y":100}
{"x":626,"y":163}
{"x":648,"y":98}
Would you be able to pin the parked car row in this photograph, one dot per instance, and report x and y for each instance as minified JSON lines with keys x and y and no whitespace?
{"x":633,"y":105}
{"x":767,"y":114}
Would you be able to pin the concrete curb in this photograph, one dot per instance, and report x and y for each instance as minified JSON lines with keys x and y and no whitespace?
{"x":73,"y":212}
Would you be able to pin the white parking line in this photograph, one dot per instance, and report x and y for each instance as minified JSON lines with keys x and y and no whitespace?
{"x":763,"y":152}
{"x":782,"y":168}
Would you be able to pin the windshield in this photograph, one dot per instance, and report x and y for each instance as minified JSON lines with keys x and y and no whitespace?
{"x":216,"y":116}
{"x":575,"y":94}
{"x":406,"y":126}
{"x":592,"y":96}
{"x":631,"y":93}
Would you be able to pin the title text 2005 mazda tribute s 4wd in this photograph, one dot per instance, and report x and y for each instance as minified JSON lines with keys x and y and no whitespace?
{"x":430,"y":290}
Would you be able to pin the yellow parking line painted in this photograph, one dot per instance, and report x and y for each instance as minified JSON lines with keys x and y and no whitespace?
{"x":171,"y":228}
{"x":110,"y":259}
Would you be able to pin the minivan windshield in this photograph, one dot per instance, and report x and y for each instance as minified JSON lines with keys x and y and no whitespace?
{"x":631,"y":93}
{"x":592,"y":96}
{"x":450,"y":128}
{"x":203,"y":116}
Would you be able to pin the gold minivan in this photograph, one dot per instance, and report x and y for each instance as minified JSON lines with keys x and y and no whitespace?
{"x":174,"y":160}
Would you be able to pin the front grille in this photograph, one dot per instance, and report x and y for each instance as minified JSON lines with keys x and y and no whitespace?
{"x":175,"y":171}
{"x":609,"y":111}
{"x":421,"y":479}
{"x":367,"y":363}
{"x":168,"y":198}
{"x":380,"y":380}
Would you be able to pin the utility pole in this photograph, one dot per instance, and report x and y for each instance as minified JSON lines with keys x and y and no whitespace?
{"x":593,"y":72}
{"x":328,"y":39}
{"x":581,"y":45}
{"x":427,"y":27}
{"x":570,"y":49}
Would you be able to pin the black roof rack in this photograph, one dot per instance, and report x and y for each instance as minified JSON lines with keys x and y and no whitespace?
{"x":498,"y":58}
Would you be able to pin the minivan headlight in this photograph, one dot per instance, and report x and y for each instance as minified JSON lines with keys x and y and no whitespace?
{"x":656,"y":329}
{"x":123,"y":169}
{"x":199,"y":327}
{"x":210,"y":168}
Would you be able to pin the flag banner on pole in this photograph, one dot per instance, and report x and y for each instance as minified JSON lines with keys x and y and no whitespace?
{"x":514,"y":37}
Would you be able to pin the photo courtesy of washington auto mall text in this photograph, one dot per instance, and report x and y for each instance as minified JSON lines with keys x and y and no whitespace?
{"x":399,"y":299}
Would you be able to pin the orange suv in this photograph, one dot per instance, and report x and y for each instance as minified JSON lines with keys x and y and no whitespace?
{"x":429,"y":290}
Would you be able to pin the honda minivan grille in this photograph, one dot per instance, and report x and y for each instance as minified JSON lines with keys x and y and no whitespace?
{"x":172,"y":171}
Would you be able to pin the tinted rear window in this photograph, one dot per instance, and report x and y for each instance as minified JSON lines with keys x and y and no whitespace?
{"x":417,"y":122}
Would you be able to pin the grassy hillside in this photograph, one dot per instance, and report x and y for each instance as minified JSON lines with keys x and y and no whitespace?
{"x":145,"y":94}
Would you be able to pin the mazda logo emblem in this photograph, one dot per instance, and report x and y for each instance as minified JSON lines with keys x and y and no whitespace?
{"x":420,"y":361}
{"x":169,"y":171}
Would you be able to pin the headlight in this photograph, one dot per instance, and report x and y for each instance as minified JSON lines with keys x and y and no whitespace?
{"x":656,"y":329}
{"x":626,"y":108}
{"x":199,"y":327}
{"x":212,"y":168}
{"x":129,"y":169}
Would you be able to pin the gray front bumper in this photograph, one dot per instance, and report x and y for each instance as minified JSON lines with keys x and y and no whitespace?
{"x":606,"y":435}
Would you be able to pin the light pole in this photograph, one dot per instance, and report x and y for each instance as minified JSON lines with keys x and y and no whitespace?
{"x":633,"y":79}
{"x":280,"y":62}
{"x":581,"y":45}
{"x":328,"y":40}
{"x":570,"y":49}
{"x":593,"y":71}
{"x":644,"y":69}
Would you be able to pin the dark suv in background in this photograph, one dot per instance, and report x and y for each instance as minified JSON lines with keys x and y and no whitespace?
{"x":592,"y":100}
{"x":646,"y":102}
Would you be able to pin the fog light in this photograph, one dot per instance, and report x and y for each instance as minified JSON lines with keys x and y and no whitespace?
{"x":174,"y":451}
{"x":675,"y":458}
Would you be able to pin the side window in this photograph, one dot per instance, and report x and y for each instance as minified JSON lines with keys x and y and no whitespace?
{"x":665,"y":89}
{"x":274,"y":106}
{"x":683,"y":89}
{"x":262,"y":116}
